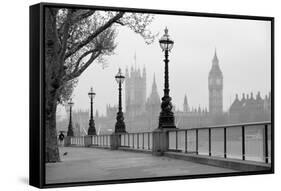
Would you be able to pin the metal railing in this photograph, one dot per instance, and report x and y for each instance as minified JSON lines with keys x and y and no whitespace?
{"x":78,"y":141}
{"x":101,"y":140}
{"x":251,"y":141}
{"x":96,"y":140}
{"x":141,"y":140}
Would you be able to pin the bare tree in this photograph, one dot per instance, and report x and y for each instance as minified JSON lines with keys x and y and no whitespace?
{"x":74,"y":39}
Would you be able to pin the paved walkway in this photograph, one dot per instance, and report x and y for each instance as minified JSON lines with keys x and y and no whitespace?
{"x":89,"y":164}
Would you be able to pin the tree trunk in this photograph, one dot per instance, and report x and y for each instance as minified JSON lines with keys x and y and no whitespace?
{"x":52,"y":151}
{"x":52,"y":84}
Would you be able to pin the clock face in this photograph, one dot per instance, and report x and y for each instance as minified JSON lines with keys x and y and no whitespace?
{"x":218,"y":81}
{"x":211,"y":81}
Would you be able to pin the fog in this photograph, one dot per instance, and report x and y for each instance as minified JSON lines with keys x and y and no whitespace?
{"x":243,"y":49}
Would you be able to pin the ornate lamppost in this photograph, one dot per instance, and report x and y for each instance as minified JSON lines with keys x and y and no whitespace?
{"x":120,"y":125}
{"x":166,"y":118}
{"x":70,"y":129}
{"x":92,"y":129}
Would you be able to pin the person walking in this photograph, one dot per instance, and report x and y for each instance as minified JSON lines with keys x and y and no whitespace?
{"x":61,"y":138}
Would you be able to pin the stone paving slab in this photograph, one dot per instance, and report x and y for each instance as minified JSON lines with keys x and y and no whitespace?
{"x":90,"y":164}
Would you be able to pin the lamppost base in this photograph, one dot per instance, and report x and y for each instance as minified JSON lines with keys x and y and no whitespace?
{"x":166,"y":121}
{"x":70,"y":133}
{"x":92,"y":131}
{"x":120,"y":130}
{"x":160,"y":141}
{"x":115,"y":140}
{"x":120,"y":126}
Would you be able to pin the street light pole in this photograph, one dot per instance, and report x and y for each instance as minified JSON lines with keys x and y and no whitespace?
{"x":166,"y":78}
{"x":91,"y":129}
{"x":70,"y":129}
{"x":166,"y":118}
{"x":120,"y":125}
{"x":120,"y":98}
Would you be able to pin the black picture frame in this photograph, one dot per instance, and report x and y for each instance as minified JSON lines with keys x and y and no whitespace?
{"x":37,"y":131}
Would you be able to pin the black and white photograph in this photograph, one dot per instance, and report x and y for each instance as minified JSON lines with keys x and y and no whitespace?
{"x":132,"y":95}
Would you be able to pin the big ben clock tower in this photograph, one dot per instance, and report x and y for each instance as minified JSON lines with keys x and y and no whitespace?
{"x":215,"y":87}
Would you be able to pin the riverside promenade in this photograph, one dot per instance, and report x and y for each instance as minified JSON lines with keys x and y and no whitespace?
{"x":92,"y":164}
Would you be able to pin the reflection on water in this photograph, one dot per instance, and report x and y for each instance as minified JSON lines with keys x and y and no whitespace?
{"x":217,"y":147}
{"x":254,"y":142}
{"x":203,"y":142}
{"x":137,"y":140}
{"x":185,"y":141}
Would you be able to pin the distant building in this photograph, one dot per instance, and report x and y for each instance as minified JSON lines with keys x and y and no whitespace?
{"x":147,"y":118}
{"x":142,"y":113}
{"x":135,"y":91}
{"x":250,"y":109}
{"x":215,"y":82}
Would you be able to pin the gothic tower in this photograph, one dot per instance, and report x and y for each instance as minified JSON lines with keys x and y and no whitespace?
{"x":185,"y":104}
{"x":154,"y":98}
{"x":135,"y":90}
{"x":215,"y":82}
{"x":153,"y":107}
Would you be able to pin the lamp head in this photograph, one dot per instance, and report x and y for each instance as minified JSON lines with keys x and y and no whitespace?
{"x":70,"y":103}
{"x":166,"y":43}
{"x":91,"y":94}
{"x":119,"y":77}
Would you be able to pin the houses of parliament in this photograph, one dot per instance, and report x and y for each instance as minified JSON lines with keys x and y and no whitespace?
{"x":142,"y":113}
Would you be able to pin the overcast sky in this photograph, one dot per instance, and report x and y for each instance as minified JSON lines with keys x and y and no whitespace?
{"x":243,"y":49}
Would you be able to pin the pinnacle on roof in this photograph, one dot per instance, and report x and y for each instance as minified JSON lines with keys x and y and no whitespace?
{"x":215,"y":59}
{"x":215,"y":70}
{"x":252,"y":96}
{"x":236,"y":103}
{"x":185,"y":99}
{"x":154,"y":82}
{"x":143,"y":70}
{"x":185,"y":104}
{"x":258,"y":95}
{"x":154,"y":97}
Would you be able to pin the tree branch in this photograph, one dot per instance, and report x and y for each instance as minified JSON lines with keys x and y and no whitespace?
{"x":76,"y":67}
{"x":120,"y":23}
{"x":65,"y":34}
{"x":53,"y":13}
{"x":82,"y":16}
{"x":95,"y":34}
{"x":79,"y":71}
{"x":76,"y":18}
